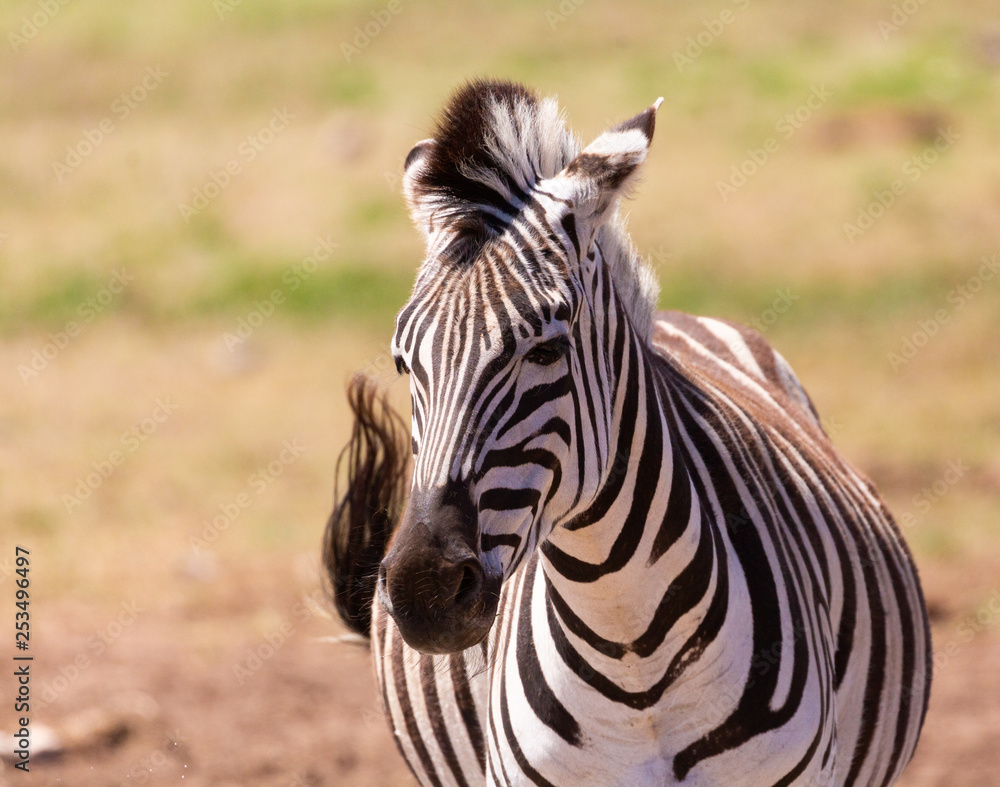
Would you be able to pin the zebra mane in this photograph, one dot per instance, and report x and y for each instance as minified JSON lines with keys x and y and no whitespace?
{"x":493,"y":142}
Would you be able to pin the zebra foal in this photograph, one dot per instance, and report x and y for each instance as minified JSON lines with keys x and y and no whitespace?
{"x":629,"y":554}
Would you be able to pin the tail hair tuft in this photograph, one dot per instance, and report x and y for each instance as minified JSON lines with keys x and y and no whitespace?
{"x":373,"y":470}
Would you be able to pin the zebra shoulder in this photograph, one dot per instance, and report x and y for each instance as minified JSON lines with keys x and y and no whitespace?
{"x":709,"y":345}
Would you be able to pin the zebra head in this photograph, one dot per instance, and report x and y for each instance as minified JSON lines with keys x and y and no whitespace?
{"x":507,"y":343}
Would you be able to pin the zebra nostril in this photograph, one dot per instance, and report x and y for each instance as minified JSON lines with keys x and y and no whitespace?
{"x":470,"y":584}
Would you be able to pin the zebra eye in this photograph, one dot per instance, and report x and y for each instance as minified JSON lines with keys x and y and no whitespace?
{"x":547,"y":353}
{"x":401,"y":367}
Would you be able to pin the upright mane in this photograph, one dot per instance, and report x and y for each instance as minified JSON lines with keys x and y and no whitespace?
{"x":492,"y":144}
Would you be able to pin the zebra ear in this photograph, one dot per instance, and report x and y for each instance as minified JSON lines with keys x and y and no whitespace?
{"x":594,"y":181}
{"x":416,"y":164}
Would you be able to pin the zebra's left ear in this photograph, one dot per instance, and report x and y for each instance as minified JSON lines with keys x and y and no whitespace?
{"x":597,"y":178}
{"x":414,"y":168}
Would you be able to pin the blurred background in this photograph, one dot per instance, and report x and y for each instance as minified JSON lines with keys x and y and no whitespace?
{"x":202,"y":236}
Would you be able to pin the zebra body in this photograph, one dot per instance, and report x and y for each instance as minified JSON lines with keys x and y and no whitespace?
{"x":669,"y":574}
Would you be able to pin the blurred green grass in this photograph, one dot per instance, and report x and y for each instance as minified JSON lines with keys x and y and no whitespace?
{"x":335,"y":169}
{"x":354,"y":291}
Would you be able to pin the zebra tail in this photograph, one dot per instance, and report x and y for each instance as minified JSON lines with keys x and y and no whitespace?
{"x":368,"y":506}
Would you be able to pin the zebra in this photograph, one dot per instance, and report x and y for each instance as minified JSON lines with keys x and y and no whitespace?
{"x":625,"y":550}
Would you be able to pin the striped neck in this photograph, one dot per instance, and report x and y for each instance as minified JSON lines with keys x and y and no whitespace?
{"x":642,"y":506}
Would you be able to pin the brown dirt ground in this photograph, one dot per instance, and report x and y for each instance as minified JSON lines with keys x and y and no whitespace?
{"x":162,"y":704}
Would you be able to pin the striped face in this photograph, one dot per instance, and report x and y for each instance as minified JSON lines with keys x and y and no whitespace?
{"x":493,"y":364}
{"x":505,"y":344}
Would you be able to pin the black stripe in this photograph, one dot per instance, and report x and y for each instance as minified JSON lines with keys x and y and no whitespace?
{"x":500,"y":499}
{"x":438,"y":725}
{"x":909,"y":649}
{"x":543,"y":702}
{"x":504,"y":624}
{"x":583,"y":381}
{"x":646,"y":480}
{"x":412,"y":731}
{"x":616,"y":480}
{"x":533,"y":400}
{"x":678,"y":513}
{"x":752,"y":715}
{"x":849,"y":591}
{"x":490,"y":541}
{"x":380,"y":633}
{"x":522,"y":762}
{"x":467,"y":707}
{"x":568,"y":223}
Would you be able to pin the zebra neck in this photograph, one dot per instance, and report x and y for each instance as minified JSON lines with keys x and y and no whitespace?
{"x":607,"y":563}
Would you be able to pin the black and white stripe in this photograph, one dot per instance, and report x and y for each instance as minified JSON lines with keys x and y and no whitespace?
{"x":691,"y":585}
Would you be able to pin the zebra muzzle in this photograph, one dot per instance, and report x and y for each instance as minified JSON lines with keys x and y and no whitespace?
{"x":434,"y":585}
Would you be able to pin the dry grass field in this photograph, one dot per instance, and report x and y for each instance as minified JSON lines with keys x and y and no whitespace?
{"x":202,"y":237}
